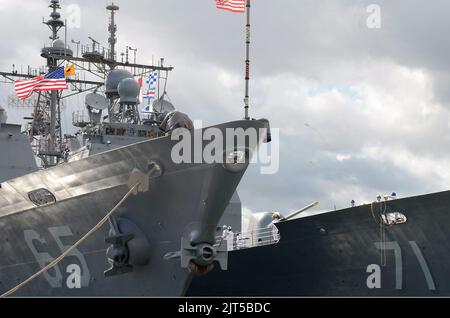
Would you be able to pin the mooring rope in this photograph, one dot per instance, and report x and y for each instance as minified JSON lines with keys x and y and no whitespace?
{"x":380,"y":221}
{"x":70,"y":249}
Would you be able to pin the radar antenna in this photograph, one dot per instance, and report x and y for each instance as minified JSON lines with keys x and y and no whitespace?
{"x":112,"y":40}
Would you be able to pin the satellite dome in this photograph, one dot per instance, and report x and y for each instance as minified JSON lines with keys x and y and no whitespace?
{"x":163,"y":106}
{"x":58,"y":47}
{"x":58,"y":43}
{"x":128,"y":91}
{"x":113,"y":79}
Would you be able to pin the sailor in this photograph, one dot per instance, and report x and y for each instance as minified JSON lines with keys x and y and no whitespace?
{"x":379,"y":198}
{"x":275,"y":219}
{"x":393,"y":196}
{"x":230,"y":239}
{"x":228,"y":235}
{"x":225,"y":232}
{"x":240,"y":241}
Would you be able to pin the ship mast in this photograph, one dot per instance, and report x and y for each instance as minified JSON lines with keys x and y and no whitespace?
{"x":112,"y":40}
{"x":55,"y":24}
{"x":247,"y":62}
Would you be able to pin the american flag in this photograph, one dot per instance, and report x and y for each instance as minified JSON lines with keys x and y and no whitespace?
{"x":53,"y":81}
{"x":231,"y":5}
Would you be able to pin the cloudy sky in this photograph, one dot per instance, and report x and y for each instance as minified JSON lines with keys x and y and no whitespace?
{"x":361,"y":111}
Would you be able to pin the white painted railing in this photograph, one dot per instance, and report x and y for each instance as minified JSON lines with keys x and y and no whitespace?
{"x":256,"y":238}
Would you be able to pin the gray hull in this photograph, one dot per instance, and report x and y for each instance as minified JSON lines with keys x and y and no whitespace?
{"x":186,"y":199}
{"x":334,"y":254}
{"x":16,"y":156}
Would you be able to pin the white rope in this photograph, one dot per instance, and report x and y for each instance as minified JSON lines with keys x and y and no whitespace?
{"x":382,"y":229}
{"x":70,"y":249}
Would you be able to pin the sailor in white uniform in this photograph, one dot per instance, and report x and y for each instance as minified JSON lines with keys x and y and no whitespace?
{"x":224,"y":232}
{"x":240,"y":241}
{"x":228,"y":235}
{"x":275,"y":219}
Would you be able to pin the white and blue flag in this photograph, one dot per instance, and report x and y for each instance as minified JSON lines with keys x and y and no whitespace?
{"x":150,"y":94}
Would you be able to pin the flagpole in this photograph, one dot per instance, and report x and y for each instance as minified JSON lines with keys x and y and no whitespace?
{"x":247,"y":62}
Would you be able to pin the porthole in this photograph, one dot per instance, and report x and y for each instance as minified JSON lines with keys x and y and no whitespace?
{"x":41,"y":197}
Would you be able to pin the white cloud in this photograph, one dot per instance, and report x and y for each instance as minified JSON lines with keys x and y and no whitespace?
{"x":342,"y":158}
{"x":433,"y":171}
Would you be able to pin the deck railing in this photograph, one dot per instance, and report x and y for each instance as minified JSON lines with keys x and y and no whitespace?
{"x":255,"y":238}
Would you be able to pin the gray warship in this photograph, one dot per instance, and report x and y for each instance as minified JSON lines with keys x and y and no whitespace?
{"x":166,"y":214}
{"x":162,"y":239}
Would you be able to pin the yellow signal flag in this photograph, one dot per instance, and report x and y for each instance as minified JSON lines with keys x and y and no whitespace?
{"x":70,"y":70}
